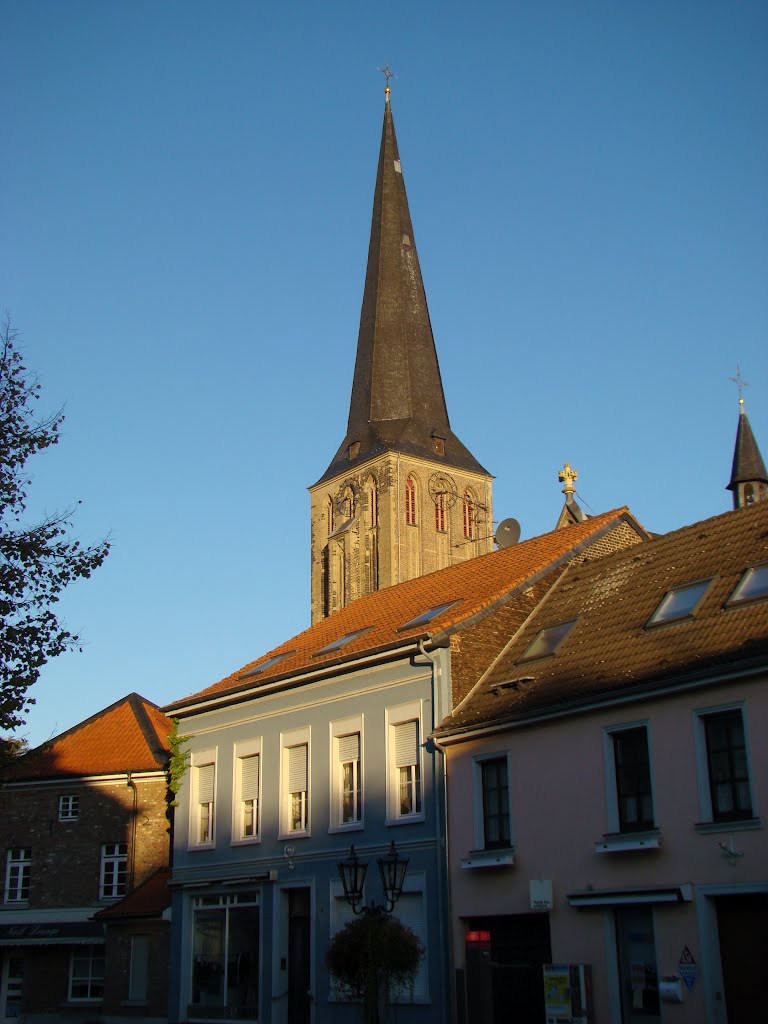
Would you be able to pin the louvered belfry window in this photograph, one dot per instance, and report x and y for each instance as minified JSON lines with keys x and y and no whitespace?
{"x":249,"y":794}
{"x":407,"y":766}
{"x":410,"y":501}
{"x":297,"y":787}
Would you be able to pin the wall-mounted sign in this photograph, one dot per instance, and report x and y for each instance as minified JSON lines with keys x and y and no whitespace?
{"x":541,"y":893}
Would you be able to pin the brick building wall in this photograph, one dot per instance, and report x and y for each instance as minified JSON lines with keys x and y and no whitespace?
{"x":66,"y":855}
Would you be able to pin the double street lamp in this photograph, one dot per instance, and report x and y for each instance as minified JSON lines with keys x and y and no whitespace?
{"x":392,"y":868}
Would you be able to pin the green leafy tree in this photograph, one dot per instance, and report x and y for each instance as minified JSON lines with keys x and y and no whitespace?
{"x":373,"y":958}
{"x":36,"y":561}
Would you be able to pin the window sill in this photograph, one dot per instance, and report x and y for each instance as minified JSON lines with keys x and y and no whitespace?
{"x":708,"y":828}
{"x":629,"y":842}
{"x":303,"y":833}
{"x":193,"y":847}
{"x":246,"y":841}
{"x":405,"y":819}
{"x":499,"y":857}
{"x":348,"y":826}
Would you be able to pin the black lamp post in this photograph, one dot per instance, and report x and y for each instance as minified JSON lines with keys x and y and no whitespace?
{"x":392,"y":868}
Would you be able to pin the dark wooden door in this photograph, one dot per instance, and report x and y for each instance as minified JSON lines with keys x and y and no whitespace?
{"x":299,"y":967}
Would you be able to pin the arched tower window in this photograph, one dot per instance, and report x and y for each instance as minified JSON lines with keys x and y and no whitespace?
{"x":749,"y":494}
{"x":328,"y":517}
{"x":372,"y":495}
{"x":440,"y":512}
{"x":410,"y":501}
{"x":468,"y":506}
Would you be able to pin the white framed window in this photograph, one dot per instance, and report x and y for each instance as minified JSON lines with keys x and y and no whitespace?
{"x":114,"y":871}
{"x":69,"y":807}
{"x":225,"y":957}
{"x":346,"y":773}
{"x":202,"y":816}
{"x":86,"y":974}
{"x":722,"y":758}
{"x":628,"y":778}
{"x":294,"y":783}
{"x":404,"y":763}
{"x":492,"y":817}
{"x":17,"y":874}
{"x":138,"y":973}
{"x":246,"y":818}
{"x":411,"y":910}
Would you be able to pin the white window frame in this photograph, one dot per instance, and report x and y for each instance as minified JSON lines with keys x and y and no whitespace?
{"x":69,"y":807}
{"x":395,"y":716}
{"x":18,"y":874}
{"x":80,"y":953}
{"x":345,"y":727}
{"x":478,"y":815}
{"x":201,"y":759}
{"x":112,"y":856}
{"x":289,"y":740}
{"x":411,"y":910}
{"x":706,"y":815}
{"x":613,"y":817}
{"x":243,"y":750}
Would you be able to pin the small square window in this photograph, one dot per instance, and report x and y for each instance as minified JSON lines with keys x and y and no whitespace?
{"x":69,"y":808}
{"x":752,"y":585}
{"x":86,"y":974}
{"x":679,"y":603}
{"x":548,"y":640}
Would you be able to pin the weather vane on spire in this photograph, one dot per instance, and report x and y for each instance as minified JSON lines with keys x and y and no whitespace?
{"x":740,"y":383}
{"x":388,"y":73}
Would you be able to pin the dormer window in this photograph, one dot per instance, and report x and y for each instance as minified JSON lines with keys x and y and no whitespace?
{"x":438,"y":443}
{"x":548,"y":640}
{"x":428,"y":615}
{"x":752,"y":585}
{"x":342,"y":641}
{"x":354,"y":450}
{"x":679,"y":603}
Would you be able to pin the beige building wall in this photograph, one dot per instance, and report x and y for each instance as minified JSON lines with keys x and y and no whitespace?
{"x":364,"y":538}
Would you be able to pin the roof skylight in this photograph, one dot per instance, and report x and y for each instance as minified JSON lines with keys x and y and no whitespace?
{"x":428,"y":615}
{"x":679,"y":603}
{"x":547,"y":640}
{"x":258,"y":669}
{"x":342,"y":641}
{"x":753,"y":584}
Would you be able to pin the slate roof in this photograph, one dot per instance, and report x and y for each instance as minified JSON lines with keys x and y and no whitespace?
{"x":129,"y":735}
{"x":611,"y":651}
{"x":479,"y":585}
{"x":748,"y":465}
{"x":397,"y":401}
{"x":149,"y":899}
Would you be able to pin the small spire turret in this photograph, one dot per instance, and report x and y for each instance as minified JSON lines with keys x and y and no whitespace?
{"x":749,"y":479}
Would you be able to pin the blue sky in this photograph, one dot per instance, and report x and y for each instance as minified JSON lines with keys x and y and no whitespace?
{"x":186,"y":192}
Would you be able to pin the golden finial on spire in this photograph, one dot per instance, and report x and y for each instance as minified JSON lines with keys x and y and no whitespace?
{"x":569,"y":477}
{"x":740,"y":383}
{"x":388,"y":73}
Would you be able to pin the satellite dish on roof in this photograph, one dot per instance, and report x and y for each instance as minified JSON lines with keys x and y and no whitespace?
{"x":507,"y":533}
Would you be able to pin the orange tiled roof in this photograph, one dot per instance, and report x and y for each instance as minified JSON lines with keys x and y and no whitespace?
{"x":478,"y":584}
{"x":149,"y":899}
{"x":130,"y":735}
{"x":609,"y":648}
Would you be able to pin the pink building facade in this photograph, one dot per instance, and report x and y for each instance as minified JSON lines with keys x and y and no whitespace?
{"x":607,"y":786}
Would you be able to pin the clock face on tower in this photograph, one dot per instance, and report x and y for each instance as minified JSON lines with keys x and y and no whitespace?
{"x":442,"y":486}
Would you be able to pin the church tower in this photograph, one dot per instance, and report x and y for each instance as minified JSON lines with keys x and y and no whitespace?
{"x":402,"y":496}
{"x":749,"y":481}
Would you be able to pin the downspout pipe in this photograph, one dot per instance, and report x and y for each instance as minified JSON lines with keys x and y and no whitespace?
{"x":132,"y":785}
{"x":439,"y":783}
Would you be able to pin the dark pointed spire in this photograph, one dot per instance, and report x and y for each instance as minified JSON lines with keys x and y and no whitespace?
{"x":397,"y":399}
{"x":748,"y":466}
